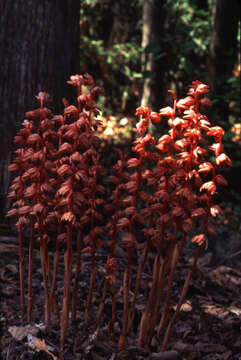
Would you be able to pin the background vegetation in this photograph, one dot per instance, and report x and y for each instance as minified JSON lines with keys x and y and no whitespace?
{"x":136,"y":50}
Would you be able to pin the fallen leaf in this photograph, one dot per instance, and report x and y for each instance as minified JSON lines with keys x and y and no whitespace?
{"x":20,"y":332}
{"x":208,"y":348}
{"x":41,"y":345}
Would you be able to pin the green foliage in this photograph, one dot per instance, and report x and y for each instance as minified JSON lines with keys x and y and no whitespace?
{"x":110,"y":41}
{"x":111,"y":46}
{"x":190,"y":26}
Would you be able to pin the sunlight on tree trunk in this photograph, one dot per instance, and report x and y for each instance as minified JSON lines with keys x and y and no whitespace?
{"x":153,"y":16}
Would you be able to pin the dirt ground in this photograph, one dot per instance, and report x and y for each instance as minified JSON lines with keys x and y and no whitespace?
{"x":208,"y":327}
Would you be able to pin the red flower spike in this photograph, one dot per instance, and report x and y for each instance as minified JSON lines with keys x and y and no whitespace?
{"x":165,"y":139}
{"x":220,"y":180}
{"x":202,"y":89}
{"x":37,"y":209}
{"x":209,"y":186}
{"x":216,"y":131}
{"x":204,"y":124}
{"x":155,"y":117}
{"x":12,"y":212}
{"x":185,"y":103}
{"x":198,"y":212}
{"x":190,"y":115}
{"x":173,"y":94}
{"x":206,"y":102}
{"x":33,"y":138}
{"x":198,"y":151}
{"x":181,"y":144}
{"x":68,"y":217}
{"x":200,"y":239}
{"x":71,"y":110}
{"x":43,"y":97}
{"x":88,"y":79}
{"x":223,"y":160}
{"x":143,"y":111}
{"x":76,"y":80}
{"x":167,"y":111}
{"x":177,"y":211}
{"x":82,"y":99}
{"x":111,"y":268}
{"x":205,"y":167}
{"x":217,"y":148}
{"x":178,"y":122}
{"x":216,"y":210}
{"x":133,"y":163}
{"x":123,"y":222}
{"x":58,"y":184}
{"x":198,"y":88}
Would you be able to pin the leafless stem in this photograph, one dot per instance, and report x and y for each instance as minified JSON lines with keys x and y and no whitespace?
{"x":180,"y":302}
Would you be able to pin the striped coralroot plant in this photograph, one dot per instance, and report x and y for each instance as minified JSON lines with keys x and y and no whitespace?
{"x":153,"y":203}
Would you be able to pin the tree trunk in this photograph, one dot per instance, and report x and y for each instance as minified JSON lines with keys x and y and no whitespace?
{"x":223,"y":49}
{"x":39,"y":43}
{"x":153,"y":16}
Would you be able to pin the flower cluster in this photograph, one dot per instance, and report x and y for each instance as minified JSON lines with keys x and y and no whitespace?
{"x":154,"y":201}
{"x":58,"y":192}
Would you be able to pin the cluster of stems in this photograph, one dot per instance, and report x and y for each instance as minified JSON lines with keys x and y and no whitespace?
{"x":153,"y":203}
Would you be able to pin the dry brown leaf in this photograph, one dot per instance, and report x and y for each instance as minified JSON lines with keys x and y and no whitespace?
{"x":41,"y":345}
{"x":20,"y":332}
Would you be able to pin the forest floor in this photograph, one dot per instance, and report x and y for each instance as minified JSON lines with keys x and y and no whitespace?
{"x":208,"y":326}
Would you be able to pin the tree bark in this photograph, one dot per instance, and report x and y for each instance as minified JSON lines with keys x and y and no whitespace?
{"x":223,"y":46}
{"x":223,"y":49}
{"x":153,"y":17}
{"x":39,"y":43}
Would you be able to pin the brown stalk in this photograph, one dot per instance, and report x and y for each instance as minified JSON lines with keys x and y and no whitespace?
{"x":91,"y":286}
{"x":113,"y":312}
{"x":168,"y":261}
{"x":180,"y":302}
{"x":159,"y":292}
{"x":137,"y":286}
{"x":30,"y":271}
{"x":126,"y":290}
{"x":44,"y":260}
{"x":176,"y":255}
{"x":21,"y":269}
{"x":77,"y":274}
{"x":102,"y":302}
{"x":55,"y":270}
{"x":106,"y":281}
{"x":144,"y":326}
{"x":151,"y":302}
{"x":112,"y":249}
{"x":67,"y":283}
{"x":93,"y":264}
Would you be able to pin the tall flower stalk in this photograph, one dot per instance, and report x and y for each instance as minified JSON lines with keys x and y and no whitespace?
{"x":155,"y":200}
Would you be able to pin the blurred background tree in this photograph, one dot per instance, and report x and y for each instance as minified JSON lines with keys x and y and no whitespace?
{"x":140,"y":48}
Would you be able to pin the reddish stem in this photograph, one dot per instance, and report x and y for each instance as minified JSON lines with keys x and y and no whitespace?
{"x":77,"y":274}
{"x":126,"y":290}
{"x":21,"y":270}
{"x":67,"y":283}
{"x":30,"y":271}
{"x":166,"y":309}
{"x":180,"y":302}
